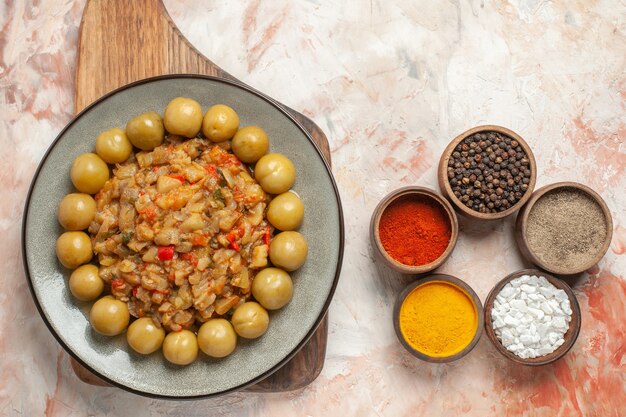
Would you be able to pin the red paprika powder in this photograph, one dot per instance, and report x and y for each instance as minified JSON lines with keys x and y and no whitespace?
{"x":414,"y":231}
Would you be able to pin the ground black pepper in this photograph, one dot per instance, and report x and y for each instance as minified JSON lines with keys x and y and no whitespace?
{"x":489,"y":172}
{"x":566,"y":229}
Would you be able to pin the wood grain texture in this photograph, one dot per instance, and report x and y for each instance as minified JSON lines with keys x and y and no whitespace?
{"x":111,"y":34}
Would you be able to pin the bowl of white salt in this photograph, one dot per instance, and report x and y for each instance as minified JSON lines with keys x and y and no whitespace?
{"x":532,"y":317}
{"x":565,"y":228}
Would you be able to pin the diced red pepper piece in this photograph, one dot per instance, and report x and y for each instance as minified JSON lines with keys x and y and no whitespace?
{"x":190,"y":257}
{"x":212,"y":170}
{"x":117,"y":282}
{"x":234,"y":246}
{"x":165,"y":253}
{"x":135,"y":290}
{"x":266,"y":237}
{"x":178,"y":177}
{"x":148,"y":213}
{"x":200,"y":240}
{"x":231,"y":237}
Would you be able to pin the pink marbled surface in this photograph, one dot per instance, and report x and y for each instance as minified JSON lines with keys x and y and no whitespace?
{"x":390,"y":82}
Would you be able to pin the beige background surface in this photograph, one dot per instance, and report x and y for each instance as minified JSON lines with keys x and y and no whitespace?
{"x":390,"y":82}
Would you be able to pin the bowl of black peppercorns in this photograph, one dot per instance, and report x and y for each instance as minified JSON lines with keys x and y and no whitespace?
{"x":487,"y":172}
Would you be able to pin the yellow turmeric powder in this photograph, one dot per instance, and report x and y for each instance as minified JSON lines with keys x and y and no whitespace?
{"x":438,"y":319}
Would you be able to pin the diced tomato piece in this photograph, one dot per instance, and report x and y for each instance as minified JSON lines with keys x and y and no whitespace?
{"x":178,"y":177}
{"x":200,"y":240}
{"x":165,"y":253}
{"x":189,"y":256}
{"x":148,"y":213}
{"x":117,"y":282}
{"x":266,"y":237}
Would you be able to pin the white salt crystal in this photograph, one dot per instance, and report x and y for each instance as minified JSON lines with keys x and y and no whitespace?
{"x":511,"y":321}
{"x":559,"y":322}
{"x":560,"y":295}
{"x":528,"y":289}
{"x":544,"y":283}
{"x":546,"y":308}
{"x":566,"y":307}
{"x":547,"y":292}
{"x":507,"y":337}
{"x":553,"y":337}
{"x":537,"y":312}
{"x":545,"y":350}
{"x":507,"y":291}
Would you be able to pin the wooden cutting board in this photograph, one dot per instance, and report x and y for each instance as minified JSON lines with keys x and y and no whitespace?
{"x":124,"y":41}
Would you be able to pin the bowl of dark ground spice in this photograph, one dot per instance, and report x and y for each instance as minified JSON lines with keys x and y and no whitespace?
{"x":413,"y":230}
{"x":565,"y":228}
{"x":487,"y":172}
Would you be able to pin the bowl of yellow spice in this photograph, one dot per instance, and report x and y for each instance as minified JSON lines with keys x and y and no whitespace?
{"x":438,"y":318}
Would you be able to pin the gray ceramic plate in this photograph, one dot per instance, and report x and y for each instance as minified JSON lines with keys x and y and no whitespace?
{"x":111,"y":358}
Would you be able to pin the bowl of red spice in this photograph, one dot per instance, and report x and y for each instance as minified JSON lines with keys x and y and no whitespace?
{"x":413,"y":230}
{"x":487,"y":172}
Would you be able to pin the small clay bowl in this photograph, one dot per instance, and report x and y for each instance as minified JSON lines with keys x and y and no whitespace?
{"x":570,"y":336}
{"x":522,"y":222}
{"x":446,"y":189}
{"x":421,"y":193}
{"x":454,"y":281}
